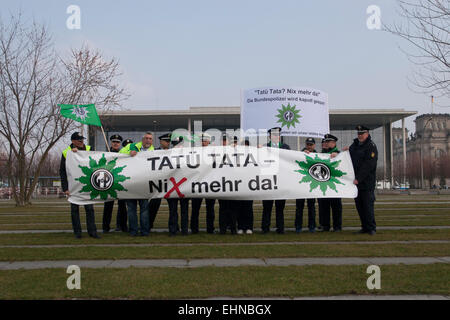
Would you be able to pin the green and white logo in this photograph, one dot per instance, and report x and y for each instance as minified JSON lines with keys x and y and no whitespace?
{"x":288,"y":115}
{"x":321,"y":173}
{"x":80,"y":112}
{"x":102,"y":179}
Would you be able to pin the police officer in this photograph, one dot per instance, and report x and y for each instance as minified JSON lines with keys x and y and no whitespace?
{"x":228,"y":208}
{"x":364,"y":156}
{"x":154,"y":204}
{"x":300,"y":203}
{"x":319,"y":200}
{"x":197,"y":202}
{"x":132,"y":149}
{"x":245,"y":212}
{"x":121,"y":220}
{"x":274,"y":142}
{"x":77,"y":145}
{"x":177,"y":142}
{"x":334,"y":203}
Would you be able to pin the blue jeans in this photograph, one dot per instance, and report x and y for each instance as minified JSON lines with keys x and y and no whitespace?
{"x":144,"y":218}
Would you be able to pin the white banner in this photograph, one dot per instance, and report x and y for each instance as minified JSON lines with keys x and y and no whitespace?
{"x":237,"y":173}
{"x":298,"y":111}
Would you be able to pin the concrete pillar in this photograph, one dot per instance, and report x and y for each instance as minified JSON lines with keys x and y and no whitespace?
{"x":404,"y":150}
{"x":388,"y":154}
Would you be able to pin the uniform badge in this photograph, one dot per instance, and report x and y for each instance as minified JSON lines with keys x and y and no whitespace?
{"x":373,"y":154}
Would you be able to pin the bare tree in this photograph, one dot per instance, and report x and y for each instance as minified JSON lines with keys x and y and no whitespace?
{"x":426,"y":27}
{"x":34,"y":78}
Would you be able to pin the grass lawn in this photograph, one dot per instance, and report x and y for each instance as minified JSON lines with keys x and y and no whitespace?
{"x":220,"y":251}
{"x":246,"y":281}
{"x":172,"y":283}
{"x":203,"y":237}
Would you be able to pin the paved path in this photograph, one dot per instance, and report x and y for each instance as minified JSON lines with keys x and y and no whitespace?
{"x":193,"y":263}
{"x":256,"y":229}
{"x":214,"y":244}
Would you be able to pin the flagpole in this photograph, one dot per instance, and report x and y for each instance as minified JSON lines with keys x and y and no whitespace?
{"x":106,"y":141}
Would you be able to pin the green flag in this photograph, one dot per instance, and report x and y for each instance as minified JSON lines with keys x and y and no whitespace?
{"x":84,"y":113}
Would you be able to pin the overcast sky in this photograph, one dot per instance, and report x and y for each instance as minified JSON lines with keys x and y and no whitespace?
{"x":202,"y":53}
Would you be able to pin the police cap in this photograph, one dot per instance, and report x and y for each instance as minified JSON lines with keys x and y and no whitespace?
{"x":330,"y":137}
{"x":126,"y":142}
{"x":310,"y":141}
{"x":165,"y":137}
{"x":76,"y":136}
{"x":275,"y":130}
{"x":116,"y":138}
{"x":361,"y":129}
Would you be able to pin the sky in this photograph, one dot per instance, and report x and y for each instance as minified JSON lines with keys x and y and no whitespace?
{"x":202,"y":53}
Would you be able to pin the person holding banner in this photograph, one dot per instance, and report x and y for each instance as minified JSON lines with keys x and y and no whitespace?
{"x":227,"y":208}
{"x":164,"y":142}
{"x":319,"y":201}
{"x":132,"y":149}
{"x":154,"y":204}
{"x":274,"y":142}
{"x":197,"y":202}
{"x":245,"y":212}
{"x":121,"y":220}
{"x":364,"y":154}
{"x":177,"y":142}
{"x":300,"y":203}
{"x":77,"y":144}
{"x":333,"y":204}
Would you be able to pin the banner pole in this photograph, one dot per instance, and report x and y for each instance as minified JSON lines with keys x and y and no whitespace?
{"x":106,"y":141}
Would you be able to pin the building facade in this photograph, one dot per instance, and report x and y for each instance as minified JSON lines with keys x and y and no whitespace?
{"x":428,"y":149}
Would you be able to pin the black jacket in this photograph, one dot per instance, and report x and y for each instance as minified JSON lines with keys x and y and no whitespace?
{"x":63,"y":172}
{"x":364,"y":157}
{"x":282,"y":146}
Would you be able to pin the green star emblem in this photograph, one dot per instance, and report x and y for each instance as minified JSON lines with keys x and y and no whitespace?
{"x":321,"y":173}
{"x":288,"y":115}
{"x":102,"y":179}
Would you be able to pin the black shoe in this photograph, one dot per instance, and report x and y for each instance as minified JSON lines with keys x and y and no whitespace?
{"x":95,"y":236}
{"x":360,"y":231}
{"x":337,"y":230}
{"x":265,"y":231}
{"x":78,"y":235}
{"x":280,"y":231}
{"x":372,"y":232}
{"x":117,"y":229}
